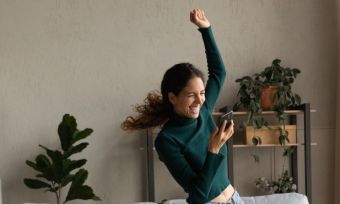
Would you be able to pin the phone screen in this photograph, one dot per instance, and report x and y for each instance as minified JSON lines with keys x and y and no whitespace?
{"x":228,"y":117}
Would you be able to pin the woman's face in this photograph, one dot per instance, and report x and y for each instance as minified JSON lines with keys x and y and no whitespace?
{"x":190,"y":100}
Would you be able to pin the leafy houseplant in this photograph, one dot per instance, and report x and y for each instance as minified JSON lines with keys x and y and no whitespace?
{"x":284,"y":184}
{"x":55,"y":168}
{"x":250,"y":96}
{"x":251,"y":92}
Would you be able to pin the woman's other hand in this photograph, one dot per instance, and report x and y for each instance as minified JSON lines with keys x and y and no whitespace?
{"x":219,"y":137}
{"x":198,"y":18}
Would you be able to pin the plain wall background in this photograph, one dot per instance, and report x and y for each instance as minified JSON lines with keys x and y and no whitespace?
{"x":95,"y":59}
{"x":337,"y":143}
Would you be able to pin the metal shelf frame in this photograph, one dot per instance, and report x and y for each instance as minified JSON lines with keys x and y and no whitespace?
{"x":305,"y":109}
{"x":302,"y":109}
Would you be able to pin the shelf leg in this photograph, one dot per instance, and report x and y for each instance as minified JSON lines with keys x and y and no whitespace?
{"x":230,"y":160}
{"x":151,"y":178}
{"x":307,"y":137}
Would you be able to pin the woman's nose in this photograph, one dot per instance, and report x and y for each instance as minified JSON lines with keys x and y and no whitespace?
{"x":199,"y":99}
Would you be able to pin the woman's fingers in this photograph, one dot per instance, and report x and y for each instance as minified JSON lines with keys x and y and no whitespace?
{"x":219,"y":136}
{"x":222,"y":127}
{"x":228,"y":132}
{"x":198,"y":17}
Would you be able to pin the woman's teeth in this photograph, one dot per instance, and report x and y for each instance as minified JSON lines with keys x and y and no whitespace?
{"x":194,"y":109}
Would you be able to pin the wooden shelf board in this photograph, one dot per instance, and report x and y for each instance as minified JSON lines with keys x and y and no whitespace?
{"x":244,"y":113}
{"x":272,"y":145}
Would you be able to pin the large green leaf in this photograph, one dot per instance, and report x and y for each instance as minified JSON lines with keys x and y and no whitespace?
{"x":66,"y":129}
{"x":70,"y":165}
{"x":79,"y":135}
{"x":36,"y":184}
{"x":82,"y":192}
{"x":78,"y":190}
{"x":57,"y":163}
{"x":66,"y":180}
{"x":75,"y":149}
{"x":33,"y":165}
{"x":79,"y":178}
{"x":42,"y":162}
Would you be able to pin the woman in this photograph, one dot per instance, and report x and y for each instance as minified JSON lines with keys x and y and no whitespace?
{"x":189,"y":143}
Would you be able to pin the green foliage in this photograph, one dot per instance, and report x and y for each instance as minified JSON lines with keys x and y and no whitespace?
{"x":283,"y":78}
{"x":284,"y":184}
{"x":250,"y":94}
{"x":55,"y":169}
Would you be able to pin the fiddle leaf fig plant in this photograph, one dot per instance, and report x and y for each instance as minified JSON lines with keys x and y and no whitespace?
{"x":56,"y":169}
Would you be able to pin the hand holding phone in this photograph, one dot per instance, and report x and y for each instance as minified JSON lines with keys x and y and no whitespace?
{"x":228,"y":117}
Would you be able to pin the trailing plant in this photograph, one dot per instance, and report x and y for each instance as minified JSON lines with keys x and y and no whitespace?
{"x":250,"y":93}
{"x":284,"y":184}
{"x":284,"y":98}
{"x":56,"y":169}
{"x":249,"y":99}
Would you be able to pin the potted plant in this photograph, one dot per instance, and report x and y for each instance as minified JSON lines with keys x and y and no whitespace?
{"x":254,"y":89}
{"x":56,"y":169}
{"x":284,"y":183}
{"x":283,"y":97}
{"x":249,"y":99}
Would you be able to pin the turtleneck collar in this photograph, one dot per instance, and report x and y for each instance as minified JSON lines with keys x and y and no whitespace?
{"x":176,"y":119}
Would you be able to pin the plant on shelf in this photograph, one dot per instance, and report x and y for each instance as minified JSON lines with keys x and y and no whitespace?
{"x":283,"y":97}
{"x":56,"y":168}
{"x":253,"y":93}
{"x":284,"y":184}
{"x":250,"y":96}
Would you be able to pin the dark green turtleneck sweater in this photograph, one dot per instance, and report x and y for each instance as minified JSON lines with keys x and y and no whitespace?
{"x":182,"y":144}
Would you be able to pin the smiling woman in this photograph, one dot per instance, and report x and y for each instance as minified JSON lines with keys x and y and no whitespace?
{"x":189,"y":144}
{"x":189,"y":101}
{"x":182,"y":91}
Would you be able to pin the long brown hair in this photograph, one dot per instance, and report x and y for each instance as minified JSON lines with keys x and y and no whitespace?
{"x":157,"y":107}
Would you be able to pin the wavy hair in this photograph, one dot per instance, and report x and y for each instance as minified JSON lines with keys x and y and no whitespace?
{"x":156,"y":107}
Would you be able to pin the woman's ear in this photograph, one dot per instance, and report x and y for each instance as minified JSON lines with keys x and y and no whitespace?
{"x":172,"y":98}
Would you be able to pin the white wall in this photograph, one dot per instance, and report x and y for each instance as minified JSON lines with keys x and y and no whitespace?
{"x":95,"y":59}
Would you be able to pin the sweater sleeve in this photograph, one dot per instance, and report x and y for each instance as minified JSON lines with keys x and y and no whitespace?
{"x":197,"y":184}
{"x":216,"y":69}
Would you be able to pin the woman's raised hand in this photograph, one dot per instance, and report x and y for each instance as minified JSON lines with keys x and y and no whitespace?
{"x":220,"y":136}
{"x":198,"y":18}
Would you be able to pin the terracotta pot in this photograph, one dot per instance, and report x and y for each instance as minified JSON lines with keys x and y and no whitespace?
{"x":266,"y":99}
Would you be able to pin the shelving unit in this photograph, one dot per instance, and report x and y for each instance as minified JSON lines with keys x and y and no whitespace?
{"x":304,"y":110}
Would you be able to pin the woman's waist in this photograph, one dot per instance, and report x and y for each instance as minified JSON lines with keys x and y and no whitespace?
{"x":225,"y":195}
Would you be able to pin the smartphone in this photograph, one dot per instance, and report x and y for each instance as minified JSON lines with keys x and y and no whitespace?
{"x":228,"y":117}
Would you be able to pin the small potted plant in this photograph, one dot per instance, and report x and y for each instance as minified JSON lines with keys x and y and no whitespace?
{"x":284,"y":184}
{"x":254,"y":91}
{"x":249,"y":99}
{"x":56,"y":168}
{"x":277,"y":82}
